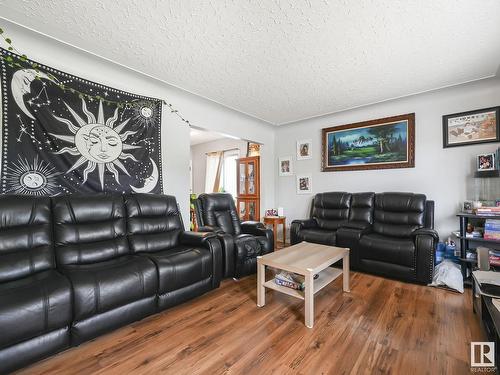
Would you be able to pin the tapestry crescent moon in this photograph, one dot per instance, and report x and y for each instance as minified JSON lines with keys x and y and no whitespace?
{"x":150,"y":182}
{"x":21,"y":85}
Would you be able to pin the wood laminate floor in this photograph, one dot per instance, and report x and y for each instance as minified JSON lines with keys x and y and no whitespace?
{"x":381,"y":327}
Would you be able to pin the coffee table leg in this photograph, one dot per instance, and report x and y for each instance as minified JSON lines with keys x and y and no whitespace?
{"x":345,"y":272}
{"x":309,"y":300}
{"x":261,"y":279}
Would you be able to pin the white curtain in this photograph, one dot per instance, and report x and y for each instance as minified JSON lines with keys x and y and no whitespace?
{"x":214,"y":167}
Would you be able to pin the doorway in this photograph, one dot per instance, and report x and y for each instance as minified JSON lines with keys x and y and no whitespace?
{"x":221,"y":163}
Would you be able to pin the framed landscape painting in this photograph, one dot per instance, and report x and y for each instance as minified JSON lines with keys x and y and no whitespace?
{"x":473,"y":127}
{"x":376,"y":144}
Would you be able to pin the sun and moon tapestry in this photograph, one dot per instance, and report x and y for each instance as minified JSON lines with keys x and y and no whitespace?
{"x":57,"y":141}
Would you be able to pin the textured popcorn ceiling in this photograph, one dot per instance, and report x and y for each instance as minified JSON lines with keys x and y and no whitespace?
{"x":282,"y":61}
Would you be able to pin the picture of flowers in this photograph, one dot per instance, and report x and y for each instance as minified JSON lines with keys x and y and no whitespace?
{"x":376,"y":144}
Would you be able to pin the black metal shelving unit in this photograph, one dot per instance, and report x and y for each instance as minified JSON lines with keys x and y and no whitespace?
{"x":468,"y":264}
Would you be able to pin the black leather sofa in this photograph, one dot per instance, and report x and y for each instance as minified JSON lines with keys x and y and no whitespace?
{"x":75,"y":267}
{"x":390,"y":234}
{"x":241,"y":242}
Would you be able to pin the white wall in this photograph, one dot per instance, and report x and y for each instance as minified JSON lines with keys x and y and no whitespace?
{"x":199,"y":158}
{"x":175,"y":134}
{"x":441,"y":174}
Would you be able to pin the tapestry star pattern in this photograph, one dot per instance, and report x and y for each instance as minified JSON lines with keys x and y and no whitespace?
{"x":62,"y":134}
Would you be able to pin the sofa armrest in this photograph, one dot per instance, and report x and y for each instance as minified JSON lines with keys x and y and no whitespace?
{"x":359,"y":225}
{"x":258,"y":229}
{"x":208,"y":228}
{"x":297,"y":226}
{"x":427,"y":232}
{"x":252,"y":227}
{"x":425,"y":244}
{"x":305,"y":224}
{"x":211,"y":242}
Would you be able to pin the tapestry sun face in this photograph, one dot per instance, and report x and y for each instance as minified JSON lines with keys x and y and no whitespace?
{"x":56,"y":140}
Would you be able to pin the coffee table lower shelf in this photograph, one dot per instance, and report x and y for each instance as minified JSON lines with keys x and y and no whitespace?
{"x":325,"y":277}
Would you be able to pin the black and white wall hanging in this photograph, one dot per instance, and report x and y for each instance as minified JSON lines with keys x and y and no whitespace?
{"x":65,"y":134}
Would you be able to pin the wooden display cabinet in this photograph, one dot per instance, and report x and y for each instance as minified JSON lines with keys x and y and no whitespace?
{"x":248,"y":199}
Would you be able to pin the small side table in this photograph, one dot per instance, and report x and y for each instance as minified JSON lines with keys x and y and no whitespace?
{"x":275,"y":221}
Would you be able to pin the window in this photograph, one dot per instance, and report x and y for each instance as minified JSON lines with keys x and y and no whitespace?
{"x":228,"y":178}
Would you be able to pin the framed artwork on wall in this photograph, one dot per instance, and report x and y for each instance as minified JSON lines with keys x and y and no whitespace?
{"x":377,"y":144}
{"x":304,"y":149}
{"x":304,"y":184}
{"x":472,"y":127}
{"x":285,"y":166}
{"x":486,"y":162}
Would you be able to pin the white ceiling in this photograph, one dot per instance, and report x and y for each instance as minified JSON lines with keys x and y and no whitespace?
{"x":283,"y":60}
{"x":203,"y":136}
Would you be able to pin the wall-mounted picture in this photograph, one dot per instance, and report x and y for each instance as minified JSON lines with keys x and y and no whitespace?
{"x":304,"y":184}
{"x":304,"y":149}
{"x":376,"y":144}
{"x":486,"y":162}
{"x":472,"y":127}
{"x":285,"y":166}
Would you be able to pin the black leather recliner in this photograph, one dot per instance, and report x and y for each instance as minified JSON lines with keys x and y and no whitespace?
{"x":241,"y":242}
{"x":189,"y":264}
{"x":390,"y":234}
{"x":35,"y":299}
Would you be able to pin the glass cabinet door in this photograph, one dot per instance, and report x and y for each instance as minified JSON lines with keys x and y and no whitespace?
{"x":242,"y":209}
{"x":251,"y":177}
{"x":242,"y":177}
{"x":251,"y":211}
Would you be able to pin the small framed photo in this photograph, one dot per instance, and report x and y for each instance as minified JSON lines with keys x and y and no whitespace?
{"x":304,"y":184}
{"x":467,"y":206}
{"x":304,"y":149}
{"x":486,"y":162}
{"x":271,"y":212}
{"x":285,"y":166}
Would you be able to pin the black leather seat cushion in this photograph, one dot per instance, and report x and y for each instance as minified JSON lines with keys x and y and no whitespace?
{"x":321,"y":236}
{"x":33,"y":306}
{"x":110,"y":284}
{"x":182,"y":266}
{"x":394,"y":250}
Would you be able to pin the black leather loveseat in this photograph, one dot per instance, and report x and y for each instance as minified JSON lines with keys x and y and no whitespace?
{"x":75,"y":267}
{"x":241,"y":242}
{"x":390,"y":234}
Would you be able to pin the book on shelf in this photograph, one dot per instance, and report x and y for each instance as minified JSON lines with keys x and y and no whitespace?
{"x":290,"y":280}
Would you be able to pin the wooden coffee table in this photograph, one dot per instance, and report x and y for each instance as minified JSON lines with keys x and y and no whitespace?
{"x":307,"y":259}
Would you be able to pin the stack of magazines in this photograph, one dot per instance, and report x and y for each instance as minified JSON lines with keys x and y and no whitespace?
{"x":290,"y":280}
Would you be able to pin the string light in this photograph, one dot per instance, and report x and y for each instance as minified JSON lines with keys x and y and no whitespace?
{"x":23,"y":59}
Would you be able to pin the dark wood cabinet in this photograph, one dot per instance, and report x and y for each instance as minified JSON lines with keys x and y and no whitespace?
{"x":248,"y":186}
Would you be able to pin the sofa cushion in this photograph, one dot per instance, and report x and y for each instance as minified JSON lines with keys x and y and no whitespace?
{"x":398,"y":214}
{"x":181,"y":266}
{"x":361,"y":211}
{"x":110,"y":284}
{"x":153,"y":222}
{"x":25,"y":236}
{"x":33,"y":306}
{"x":321,"y":236}
{"x":89,"y":229}
{"x":387,"y":249}
{"x":331,"y":210}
